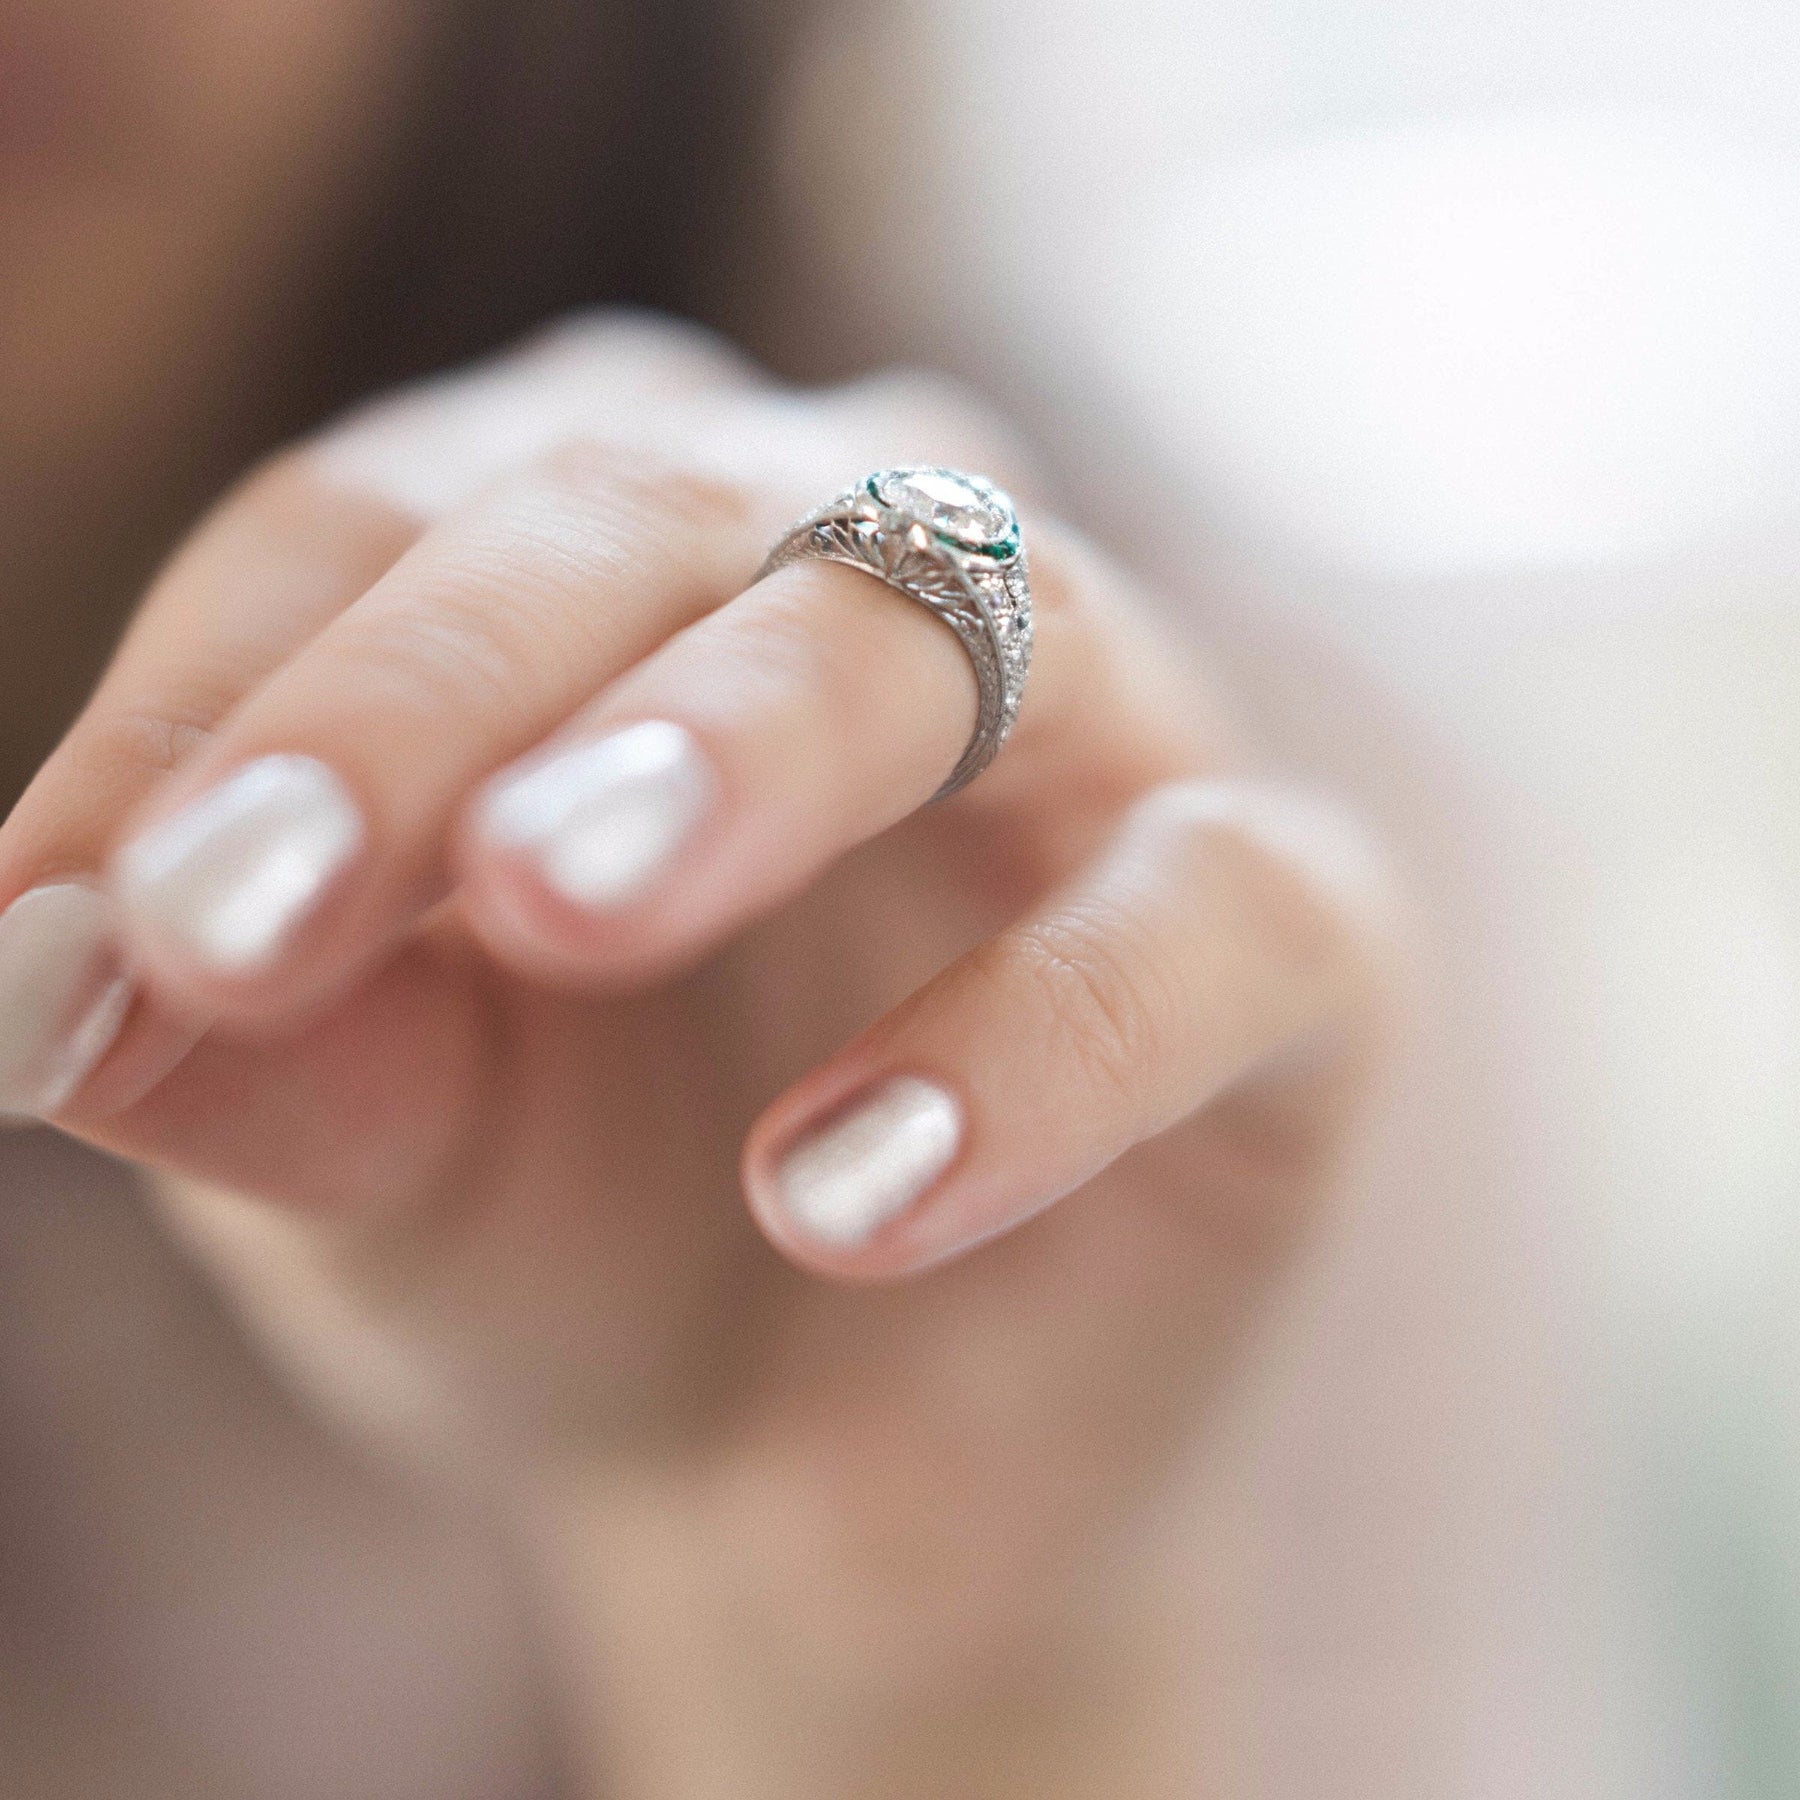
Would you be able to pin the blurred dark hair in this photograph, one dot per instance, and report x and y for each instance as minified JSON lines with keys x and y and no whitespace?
{"x":553,"y":154}
{"x":565,"y":153}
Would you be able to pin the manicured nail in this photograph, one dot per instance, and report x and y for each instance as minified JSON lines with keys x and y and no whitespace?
{"x":869,"y":1162}
{"x":603,"y":820}
{"x":232,"y":874}
{"x":63,"y":995}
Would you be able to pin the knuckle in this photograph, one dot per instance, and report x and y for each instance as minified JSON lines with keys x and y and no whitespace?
{"x":1302,"y":888}
{"x":1059,"y":600}
{"x":1102,"y":1005}
{"x":1078,"y":587}
{"x":1110,"y":675}
{"x":435,"y":444}
{"x":1308,"y":869}
{"x":1285,"y":922}
{"x":631,"y":487}
{"x":1064,"y":568}
{"x":926,"y":394}
{"x":156,"y":740}
{"x":463,"y":650}
{"x":613,"y":335}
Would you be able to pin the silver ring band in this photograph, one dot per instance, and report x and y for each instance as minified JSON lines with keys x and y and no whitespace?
{"x":951,"y":542}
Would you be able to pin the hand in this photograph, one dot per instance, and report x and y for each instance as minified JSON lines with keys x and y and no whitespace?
{"x":506,"y":883}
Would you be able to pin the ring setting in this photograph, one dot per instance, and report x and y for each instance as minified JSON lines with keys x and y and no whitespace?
{"x":950,"y":541}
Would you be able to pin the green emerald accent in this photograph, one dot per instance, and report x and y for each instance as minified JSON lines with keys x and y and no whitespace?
{"x":961,"y":511}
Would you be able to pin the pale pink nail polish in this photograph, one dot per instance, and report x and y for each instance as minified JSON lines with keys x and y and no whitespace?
{"x":866,"y":1164}
{"x":64,"y":994}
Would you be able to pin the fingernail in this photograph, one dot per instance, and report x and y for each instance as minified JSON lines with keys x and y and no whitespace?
{"x":603,"y":820}
{"x":63,"y":995}
{"x":232,"y":874}
{"x":869,"y":1162}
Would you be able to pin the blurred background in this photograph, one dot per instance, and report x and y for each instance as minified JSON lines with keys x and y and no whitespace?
{"x":1441,"y":359}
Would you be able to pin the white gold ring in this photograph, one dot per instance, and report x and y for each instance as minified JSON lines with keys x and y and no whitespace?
{"x":951,"y":542}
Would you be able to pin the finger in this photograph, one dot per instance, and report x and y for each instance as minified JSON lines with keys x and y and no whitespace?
{"x":297,"y":541}
{"x":273,"y":563}
{"x":724,"y":772}
{"x":279,"y":558}
{"x":1223,"y":933}
{"x":373,"y":1106}
{"x":302,"y":537}
{"x":308,"y":833}
{"x":301,"y":547}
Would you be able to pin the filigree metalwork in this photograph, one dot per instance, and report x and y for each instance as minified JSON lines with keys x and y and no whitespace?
{"x":983,"y":595}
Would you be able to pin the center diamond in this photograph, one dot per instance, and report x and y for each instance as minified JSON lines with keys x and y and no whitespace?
{"x":963,"y":510}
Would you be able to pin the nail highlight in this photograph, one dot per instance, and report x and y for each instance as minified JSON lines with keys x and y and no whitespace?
{"x":603,"y":820}
{"x":232,"y":875}
{"x":64,"y":994}
{"x":867,"y":1164}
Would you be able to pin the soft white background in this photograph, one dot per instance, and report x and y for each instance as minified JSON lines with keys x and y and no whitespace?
{"x":1443,"y":358}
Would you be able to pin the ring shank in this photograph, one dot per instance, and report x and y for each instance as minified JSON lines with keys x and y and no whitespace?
{"x":987,"y":605}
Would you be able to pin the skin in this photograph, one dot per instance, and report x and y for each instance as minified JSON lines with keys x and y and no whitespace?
{"x":495,"y":1176}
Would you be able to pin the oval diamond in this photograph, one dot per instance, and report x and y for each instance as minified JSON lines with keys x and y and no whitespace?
{"x":961,"y":509}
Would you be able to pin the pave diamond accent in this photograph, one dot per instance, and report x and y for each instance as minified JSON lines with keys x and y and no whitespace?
{"x":961,"y":509}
